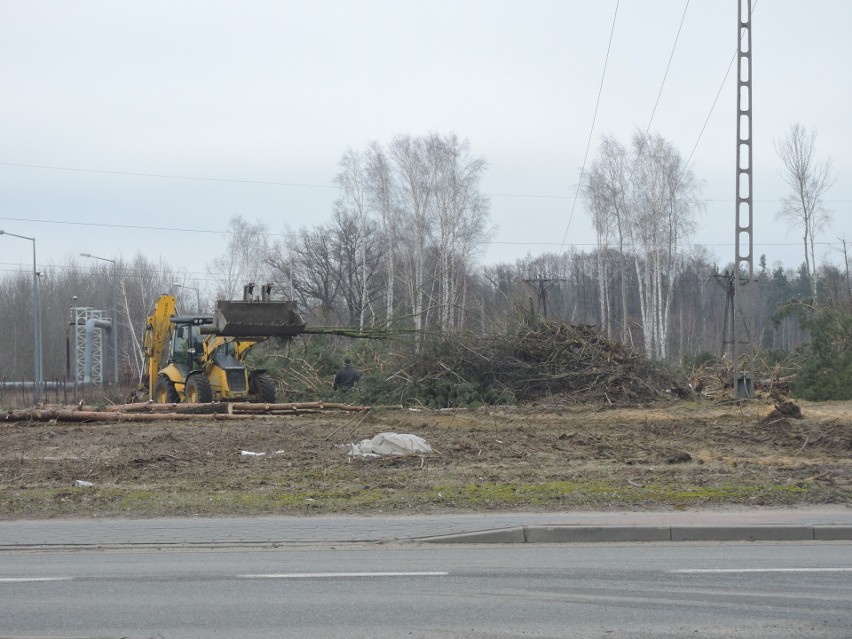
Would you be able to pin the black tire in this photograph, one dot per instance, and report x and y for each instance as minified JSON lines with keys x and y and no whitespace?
{"x":262,"y":388}
{"x":165,"y":391}
{"x":198,"y":390}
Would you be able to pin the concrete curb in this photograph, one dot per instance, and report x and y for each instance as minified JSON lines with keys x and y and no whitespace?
{"x":603,"y":534}
{"x":832,"y":533}
{"x":742,"y":533}
{"x":591,"y":534}
{"x":516,"y":535}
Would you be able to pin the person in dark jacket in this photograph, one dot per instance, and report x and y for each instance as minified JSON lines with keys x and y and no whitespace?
{"x":346,"y":376}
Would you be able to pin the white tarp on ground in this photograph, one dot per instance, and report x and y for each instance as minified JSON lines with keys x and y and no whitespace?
{"x":390,"y":444}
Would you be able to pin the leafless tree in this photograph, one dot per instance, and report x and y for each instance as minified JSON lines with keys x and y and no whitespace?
{"x":809,"y":179}
{"x":383,"y":198}
{"x":647,"y":199}
{"x":354,"y":203}
{"x":460,"y":214}
{"x":243,"y":260}
{"x":606,"y":190}
{"x":141,"y":282}
{"x":595,"y":190}
{"x":310,"y":262}
{"x":416,"y":191}
{"x":665,"y":203}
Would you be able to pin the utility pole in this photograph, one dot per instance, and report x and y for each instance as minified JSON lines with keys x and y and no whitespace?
{"x":197,"y":294}
{"x":541,"y":285}
{"x":743,"y":274}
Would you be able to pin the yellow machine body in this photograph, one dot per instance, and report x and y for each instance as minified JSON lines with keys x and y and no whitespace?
{"x":198,"y":359}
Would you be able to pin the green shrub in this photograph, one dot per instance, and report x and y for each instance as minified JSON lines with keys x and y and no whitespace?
{"x":826,"y":372}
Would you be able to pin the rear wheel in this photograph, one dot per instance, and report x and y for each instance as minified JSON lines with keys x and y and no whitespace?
{"x":198,"y":390}
{"x":262,"y":387}
{"x":165,"y":391}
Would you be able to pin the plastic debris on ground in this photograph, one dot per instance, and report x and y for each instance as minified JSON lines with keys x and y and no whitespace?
{"x":83,"y":483}
{"x":390,"y":444}
{"x":248,"y":453}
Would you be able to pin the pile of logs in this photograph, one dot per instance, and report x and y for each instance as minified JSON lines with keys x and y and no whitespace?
{"x":149,"y":411}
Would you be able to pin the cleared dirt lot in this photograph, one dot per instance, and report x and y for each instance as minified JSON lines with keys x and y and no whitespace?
{"x":670,"y":455}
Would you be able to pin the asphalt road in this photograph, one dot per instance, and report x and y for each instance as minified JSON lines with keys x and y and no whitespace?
{"x":275,"y":530}
{"x":610,"y":590}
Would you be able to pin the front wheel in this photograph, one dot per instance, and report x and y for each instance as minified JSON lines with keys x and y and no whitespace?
{"x":198,"y":390}
{"x":165,"y":391}
{"x":262,"y":386}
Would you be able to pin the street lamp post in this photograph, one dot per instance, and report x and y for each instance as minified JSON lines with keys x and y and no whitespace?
{"x":197,"y":295}
{"x":114,"y":313}
{"x":37,"y":370}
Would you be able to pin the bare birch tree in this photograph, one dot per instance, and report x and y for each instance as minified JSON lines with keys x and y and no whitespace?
{"x":602,"y":224}
{"x":608,"y":197}
{"x":809,"y":180}
{"x":243,"y":260}
{"x":460,"y":213}
{"x":383,"y":195}
{"x":354,"y":201}
{"x":665,"y":203}
{"x":415,"y":192}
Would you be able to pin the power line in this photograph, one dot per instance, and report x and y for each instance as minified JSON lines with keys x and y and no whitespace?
{"x":668,"y":66}
{"x":592,"y":128}
{"x":225,"y":231}
{"x":202,"y":275}
{"x":653,"y":111}
{"x":631,"y":244}
{"x":171,"y":177}
{"x":659,"y":95}
{"x":712,"y":107}
{"x":116,"y":226}
{"x":552,"y":196}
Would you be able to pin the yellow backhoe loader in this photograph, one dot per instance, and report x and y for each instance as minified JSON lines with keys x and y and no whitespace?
{"x":199,"y":359}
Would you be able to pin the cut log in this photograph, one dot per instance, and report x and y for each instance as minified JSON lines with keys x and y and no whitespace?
{"x":293,"y":407}
{"x":37,"y":415}
{"x":149,"y":411}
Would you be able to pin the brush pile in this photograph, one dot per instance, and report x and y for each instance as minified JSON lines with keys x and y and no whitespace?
{"x":534,"y":361}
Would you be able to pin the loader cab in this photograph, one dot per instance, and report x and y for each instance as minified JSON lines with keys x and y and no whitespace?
{"x":186,"y":351}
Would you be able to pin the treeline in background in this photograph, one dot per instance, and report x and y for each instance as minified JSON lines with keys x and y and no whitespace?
{"x":399,"y":258}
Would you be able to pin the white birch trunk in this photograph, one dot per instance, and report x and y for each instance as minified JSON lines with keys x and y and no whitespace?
{"x":603,"y":294}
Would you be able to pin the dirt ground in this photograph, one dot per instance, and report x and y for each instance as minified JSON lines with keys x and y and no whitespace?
{"x":544,"y":458}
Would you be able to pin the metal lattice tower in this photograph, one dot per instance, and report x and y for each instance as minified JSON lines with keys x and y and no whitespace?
{"x":80,"y":315}
{"x":743,"y":275}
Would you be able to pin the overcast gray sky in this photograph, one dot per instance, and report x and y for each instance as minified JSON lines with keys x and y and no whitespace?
{"x":264,"y":97}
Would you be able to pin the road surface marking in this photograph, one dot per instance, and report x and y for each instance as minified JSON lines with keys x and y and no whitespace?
{"x":746,"y":570}
{"x":332,"y":575}
{"x":21,"y":580}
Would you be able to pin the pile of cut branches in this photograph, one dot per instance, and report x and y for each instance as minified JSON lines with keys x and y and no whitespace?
{"x":770,"y":375}
{"x":534,"y":361}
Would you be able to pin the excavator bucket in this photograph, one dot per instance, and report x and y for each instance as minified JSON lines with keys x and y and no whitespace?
{"x":257,"y":319}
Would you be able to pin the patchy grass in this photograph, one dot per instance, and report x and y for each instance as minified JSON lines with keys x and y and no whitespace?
{"x":138,"y":502}
{"x":490,"y":459}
